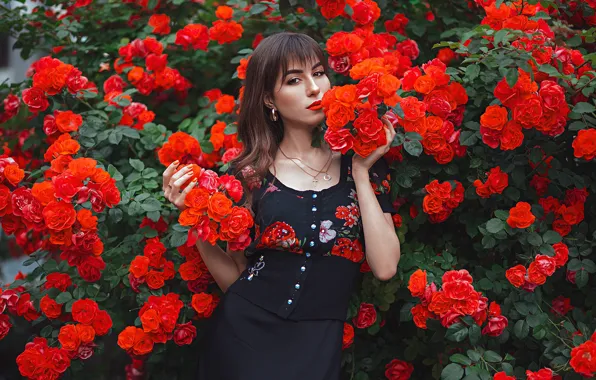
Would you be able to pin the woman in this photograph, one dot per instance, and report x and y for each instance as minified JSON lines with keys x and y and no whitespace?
{"x":287,"y":295}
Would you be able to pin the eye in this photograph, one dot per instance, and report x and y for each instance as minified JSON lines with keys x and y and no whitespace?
{"x":320,"y":73}
{"x":291,"y":81}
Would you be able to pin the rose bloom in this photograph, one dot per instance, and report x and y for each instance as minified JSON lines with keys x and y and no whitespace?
{"x":521,"y":216}
{"x":348,"y":336}
{"x":398,"y":370}
{"x":495,"y":325}
{"x":367,"y":316}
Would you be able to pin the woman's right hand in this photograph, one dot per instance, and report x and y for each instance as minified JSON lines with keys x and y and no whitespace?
{"x":172,"y":180}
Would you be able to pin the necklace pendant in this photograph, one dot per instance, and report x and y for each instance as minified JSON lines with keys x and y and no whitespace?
{"x":327,"y":177}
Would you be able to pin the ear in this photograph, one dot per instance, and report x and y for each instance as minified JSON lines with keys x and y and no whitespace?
{"x":269,"y":102}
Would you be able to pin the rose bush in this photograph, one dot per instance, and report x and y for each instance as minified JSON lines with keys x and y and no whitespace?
{"x":492,"y":175}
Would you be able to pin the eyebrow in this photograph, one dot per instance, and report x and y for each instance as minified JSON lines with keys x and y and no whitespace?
{"x":300,"y":71}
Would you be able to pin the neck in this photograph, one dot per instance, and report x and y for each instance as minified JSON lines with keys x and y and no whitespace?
{"x":297,"y":142}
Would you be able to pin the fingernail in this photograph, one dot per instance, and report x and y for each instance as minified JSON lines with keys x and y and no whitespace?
{"x":175,"y":162}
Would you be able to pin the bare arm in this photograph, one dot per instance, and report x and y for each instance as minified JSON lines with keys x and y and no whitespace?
{"x":382,"y":244}
{"x":225,"y":267}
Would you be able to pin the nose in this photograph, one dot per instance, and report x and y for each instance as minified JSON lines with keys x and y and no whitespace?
{"x":312,"y":88}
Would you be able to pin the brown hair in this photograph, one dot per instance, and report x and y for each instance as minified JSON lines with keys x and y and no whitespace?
{"x":260,"y":135}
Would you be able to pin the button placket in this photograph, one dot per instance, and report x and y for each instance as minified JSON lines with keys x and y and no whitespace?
{"x":303,"y":268}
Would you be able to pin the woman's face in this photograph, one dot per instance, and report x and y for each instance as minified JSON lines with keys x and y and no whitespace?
{"x":294,"y":93}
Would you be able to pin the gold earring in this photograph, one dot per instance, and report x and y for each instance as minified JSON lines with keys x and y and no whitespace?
{"x":273,"y":115}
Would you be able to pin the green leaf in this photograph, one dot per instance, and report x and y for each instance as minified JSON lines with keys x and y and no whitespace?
{"x":472,"y":72}
{"x":63,"y":297}
{"x":255,"y":9}
{"x":485,"y":284}
{"x":534,"y":239}
{"x":130,"y":132}
{"x":488,"y":242}
{"x":492,"y":357}
{"x":474,"y":334}
{"x":151,"y":204}
{"x":577,"y":125}
{"x":452,"y":372}
{"x":583,"y":107}
{"x":581,"y":278}
{"x":178,"y":239}
{"x":521,"y":308}
{"x":468,"y":138}
{"x":398,"y":139}
{"x":413,"y":147}
{"x":502,"y":214}
{"x":138,"y":165}
{"x":495,"y":225}
{"x":456,"y":332}
{"x":551,"y":237}
{"x":521,"y":329}
{"x":413,"y":136}
{"x":474,"y":355}
{"x":589,"y":265}
{"x":460,"y":359}
{"x":511,"y":76}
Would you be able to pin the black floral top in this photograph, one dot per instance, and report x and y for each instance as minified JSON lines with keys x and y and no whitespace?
{"x":308,"y":245}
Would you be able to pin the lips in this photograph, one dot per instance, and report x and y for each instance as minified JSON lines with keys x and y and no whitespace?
{"x":315,"y":106}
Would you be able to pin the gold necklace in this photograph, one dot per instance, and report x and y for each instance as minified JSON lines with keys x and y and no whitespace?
{"x":325,"y":169}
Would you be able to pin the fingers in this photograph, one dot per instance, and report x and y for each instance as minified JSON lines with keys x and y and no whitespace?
{"x":176,"y":183}
{"x":179,"y":201}
{"x":167,"y":174}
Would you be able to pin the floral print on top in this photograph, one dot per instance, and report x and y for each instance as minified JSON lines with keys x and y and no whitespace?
{"x":325,"y":222}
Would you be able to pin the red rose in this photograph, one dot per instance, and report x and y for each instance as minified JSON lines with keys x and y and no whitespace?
{"x":502,"y":376}
{"x":50,"y":308}
{"x":35,"y":99}
{"x":340,"y":140}
{"x":495,"y":325}
{"x":561,"y":254}
{"x":5,"y":325}
{"x":84,"y":311}
{"x":543,"y":374}
{"x":516,"y":275}
{"x":398,"y":370}
{"x":583,"y":358}
{"x":561,"y":305}
{"x":90,"y":269}
{"x":348,"y":336}
{"x":102,"y":323}
{"x":368,"y":125}
{"x":367,"y":316}
{"x":184,"y":333}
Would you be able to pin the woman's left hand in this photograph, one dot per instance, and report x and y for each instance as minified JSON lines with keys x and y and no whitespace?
{"x":359,"y":162}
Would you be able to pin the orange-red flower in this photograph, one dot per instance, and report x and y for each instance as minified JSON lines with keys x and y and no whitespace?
{"x":521,"y":216}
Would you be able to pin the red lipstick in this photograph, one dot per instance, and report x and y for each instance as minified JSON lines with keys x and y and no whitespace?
{"x":315,"y":106}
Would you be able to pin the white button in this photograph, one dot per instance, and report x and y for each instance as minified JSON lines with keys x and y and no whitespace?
{"x":307,"y":254}
{"x":303,"y":269}
{"x":313,"y":226}
{"x":289,"y":302}
{"x":312,"y":243}
{"x":314,"y":196}
{"x":297,"y":286}
{"x":314,"y":208}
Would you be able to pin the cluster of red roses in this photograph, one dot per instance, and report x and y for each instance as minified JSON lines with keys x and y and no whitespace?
{"x":134,"y":114}
{"x":52,"y":76}
{"x":159,"y":320}
{"x":152,"y":268}
{"x":539,"y":270}
{"x":76,"y":342}
{"x":496,"y":182}
{"x":545,"y":110}
{"x":582,"y":357}
{"x":211,"y":212}
{"x":543,"y":374}
{"x":194,"y":270}
{"x":12,"y":104}
{"x":457,"y":298}
{"x":444,"y":101}
{"x":156,"y":76}
{"x":441,"y":199}
{"x":48,"y":206}
{"x":568,"y":213}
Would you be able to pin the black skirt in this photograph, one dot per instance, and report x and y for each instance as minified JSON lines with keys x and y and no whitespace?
{"x":246,"y":342}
